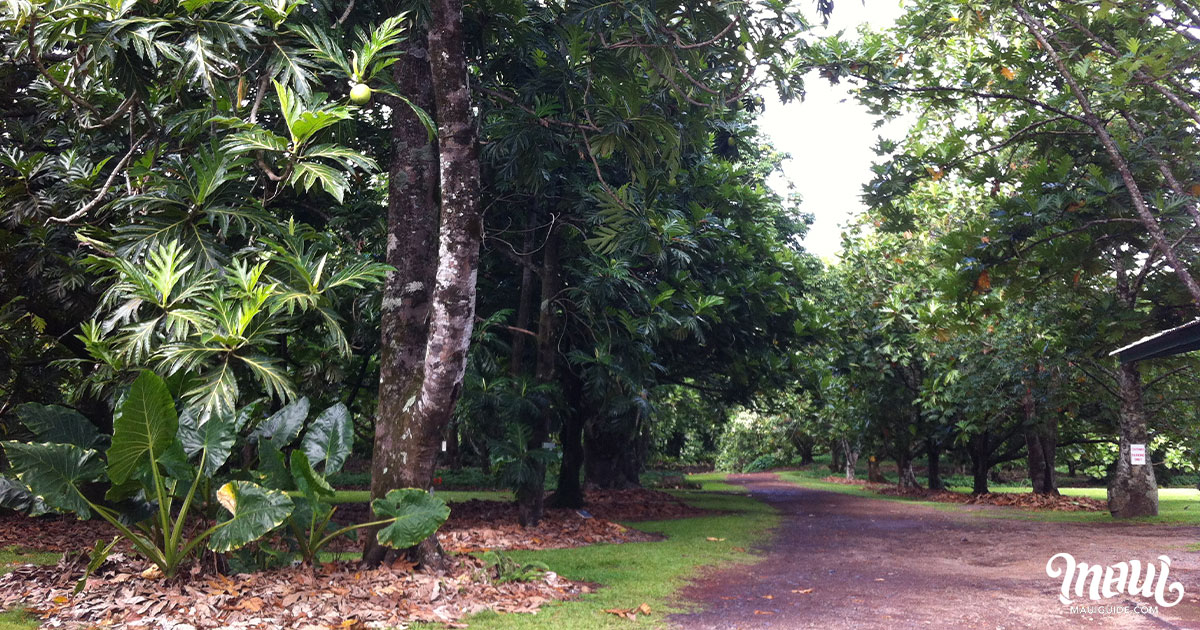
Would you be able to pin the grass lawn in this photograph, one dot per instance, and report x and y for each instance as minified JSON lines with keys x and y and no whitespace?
{"x":11,"y":557}
{"x":1176,"y":506}
{"x":651,"y":573}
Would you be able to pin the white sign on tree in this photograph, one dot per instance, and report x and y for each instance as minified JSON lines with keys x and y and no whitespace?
{"x":1137,"y":454}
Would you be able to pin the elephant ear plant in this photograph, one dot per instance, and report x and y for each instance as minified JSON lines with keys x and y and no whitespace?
{"x":405,"y":516}
{"x":157,"y":463}
{"x":159,"y":466}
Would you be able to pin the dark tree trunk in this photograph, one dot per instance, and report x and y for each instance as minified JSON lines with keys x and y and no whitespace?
{"x":835,"y":457}
{"x":531,"y":502}
{"x":805,"y":446}
{"x":412,"y":229}
{"x":980,"y":463}
{"x":1041,"y":437}
{"x":934,"y":451}
{"x":1132,"y":490}
{"x":524,"y":306}
{"x":452,"y":308}
{"x":874,"y":471}
{"x":610,"y":458}
{"x":452,"y":458}
{"x":569,"y":492}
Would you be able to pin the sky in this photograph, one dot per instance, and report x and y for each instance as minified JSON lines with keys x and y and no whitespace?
{"x":829,"y":136}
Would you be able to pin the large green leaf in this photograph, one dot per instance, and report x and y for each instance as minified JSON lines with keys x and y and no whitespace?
{"x":143,"y":428}
{"x":308,"y":481}
{"x":60,"y":425}
{"x":17,"y":496}
{"x":254,"y":511}
{"x":330,"y":439}
{"x":56,"y":472}
{"x":284,"y":425}
{"x":209,"y":443}
{"x":417,"y":515}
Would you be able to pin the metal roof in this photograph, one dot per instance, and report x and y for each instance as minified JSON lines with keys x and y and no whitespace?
{"x":1170,"y":342}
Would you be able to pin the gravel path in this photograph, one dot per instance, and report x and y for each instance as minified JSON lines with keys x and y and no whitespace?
{"x":892,"y":565}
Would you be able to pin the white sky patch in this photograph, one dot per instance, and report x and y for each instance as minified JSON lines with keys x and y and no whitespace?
{"x":830,"y":136}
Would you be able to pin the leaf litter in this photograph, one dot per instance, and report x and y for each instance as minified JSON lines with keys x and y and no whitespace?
{"x":332,"y":595}
{"x":123,"y":592}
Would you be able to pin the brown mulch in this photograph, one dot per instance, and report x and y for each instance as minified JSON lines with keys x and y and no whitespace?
{"x":478,"y":525}
{"x":1023,"y":500}
{"x":473,"y":525}
{"x":335,"y":595}
{"x":638,"y":504}
{"x":52,"y":532}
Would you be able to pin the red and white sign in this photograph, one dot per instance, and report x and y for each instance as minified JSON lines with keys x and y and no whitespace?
{"x":1137,"y":454}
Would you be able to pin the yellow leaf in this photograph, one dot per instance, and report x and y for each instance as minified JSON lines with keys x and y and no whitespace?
{"x":1008,"y":73}
{"x":153,"y":573}
{"x":711,"y":539}
{"x":226,"y":498}
{"x":346,"y":623}
{"x":644,"y":608}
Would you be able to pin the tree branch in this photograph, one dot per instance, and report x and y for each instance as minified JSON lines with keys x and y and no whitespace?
{"x":118,"y":169}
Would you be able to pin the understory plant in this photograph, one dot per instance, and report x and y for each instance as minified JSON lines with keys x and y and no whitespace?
{"x":404,"y":516}
{"x":160,"y":467}
{"x":158,"y":464}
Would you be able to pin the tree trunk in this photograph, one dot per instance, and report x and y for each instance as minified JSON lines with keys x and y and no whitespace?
{"x":610,"y":456}
{"x":569,"y":492}
{"x":980,"y":463}
{"x":524,"y":306}
{"x":412,"y":228}
{"x":851,"y":459}
{"x":452,"y":310}
{"x":1132,"y":490}
{"x":874,"y":471}
{"x":904,"y":469}
{"x":835,"y":457}
{"x":934,"y":451}
{"x":531,"y":502}
{"x":1040,"y":440}
{"x":806,"y":446}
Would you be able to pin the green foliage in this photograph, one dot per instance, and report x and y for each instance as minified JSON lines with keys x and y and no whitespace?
{"x":156,"y":470}
{"x":508,"y":570}
{"x":53,"y":423}
{"x":408,"y":516}
{"x":518,"y":463}
{"x":755,"y":441}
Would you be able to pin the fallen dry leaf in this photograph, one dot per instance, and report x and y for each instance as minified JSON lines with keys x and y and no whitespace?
{"x":803,"y":591}
{"x":711,"y":539}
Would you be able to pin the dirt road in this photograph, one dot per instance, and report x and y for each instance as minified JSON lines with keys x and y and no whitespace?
{"x":890,"y":565}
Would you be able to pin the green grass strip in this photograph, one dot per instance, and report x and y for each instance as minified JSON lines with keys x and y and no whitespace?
{"x":634,"y":573}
